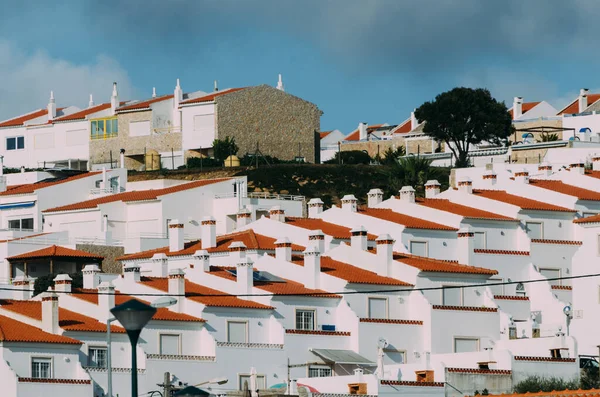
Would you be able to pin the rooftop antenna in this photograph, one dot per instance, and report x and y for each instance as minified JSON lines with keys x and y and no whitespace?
{"x":153,"y":92}
{"x":216,"y":86}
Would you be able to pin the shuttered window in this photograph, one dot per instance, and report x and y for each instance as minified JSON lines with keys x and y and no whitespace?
{"x":466,"y":345}
{"x":169,"y":344}
{"x":237,"y":332}
{"x":378,"y":308}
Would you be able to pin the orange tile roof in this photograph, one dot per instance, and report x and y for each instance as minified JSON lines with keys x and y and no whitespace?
{"x":287,"y":287}
{"x":593,"y":174}
{"x":324,"y":134}
{"x":500,"y":252}
{"x":67,"y":320}
{"x":522,"y":202}
{"x":16,"y":331}
{"x":573,"y":107}
{"x":411,"y":383}
{"x":466,"y":308}
{"x":355,"y":135}
{"x":162,"y":313}
{"x":55,"y":251}
{"x":316,"y":332}
{"x":19,"y":121}
{"x":82,"y":114}
{"x":137,"y":195}
{"x":562,"y":242}
{"x":562,"y":393}
{"x":588,"y":219}
{"x":391,"y":321}
{"x":351,"y":274}
{"x":403,"y":128}
{"x":562,"y":287}
{"x":407,"y":221}
{"x":525,"y":107}
{"x":481,"y":371}
{"x":560,"y":187}
{"x":436,"y":265}
{"x":462,"y":210}
{"x":143,"y":105}
{"x":251,"y":240}
{"x":546,"y":359}
{"x":197,"y":293}
{"x":331,"y":229}
{"x":512,"y":297}
{"x":211,"y":97}
{"x":32,"y":187}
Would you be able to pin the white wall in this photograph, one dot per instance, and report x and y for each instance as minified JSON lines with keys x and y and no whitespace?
{"x":198,"y":126}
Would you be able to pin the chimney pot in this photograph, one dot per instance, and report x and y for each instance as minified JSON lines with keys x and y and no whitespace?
{"x":466,"y":246}
{"x":90,"y":276}
{"x":583,"y":99}
{"x":517,"y":107}
{"x":176,"y":242}
{"x":375,"y":197}
{"x":132,"y":273}
{"x":596,"y":162}
{"x":23,"y":288}
{"x":522,"y":176}
{"x":50,"y":313}
{"x":208,"y":230}
{"x":545,"y":168}
{"x":465,"y":185}
{"x":276,"y":213}
{"x":358,"y":238}
{"x":407,"y":194}
{"x":349,"y":203}
{"x":315,"y":207}
{"x":245,"y":277}
{"x":237,"y":251}
{"x":385,"y":254}
{"x":106,"y":300}
{"x":283,"y":249}
{"x":362,"y":131}
{"x":243,"y":217}
{"x":316,"y":238}
{"x":160,"y":265}
{"x":202,"y":258}
{"x":432,"y":188}
{"x":489,"y":178}
{"x":578,"y":167}
{"x":177,"y":288}
{"x":312,"y":267}
{"x":62,"y":283}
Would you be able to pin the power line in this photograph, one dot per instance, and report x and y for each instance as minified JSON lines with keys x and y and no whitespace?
{"x":316,"y":294}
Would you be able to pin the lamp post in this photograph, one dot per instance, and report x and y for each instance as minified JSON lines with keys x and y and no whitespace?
{"x":133,"y":316}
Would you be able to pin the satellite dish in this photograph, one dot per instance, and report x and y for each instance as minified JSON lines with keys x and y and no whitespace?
{"x":382,"y":343}
{"x":567,"y":310}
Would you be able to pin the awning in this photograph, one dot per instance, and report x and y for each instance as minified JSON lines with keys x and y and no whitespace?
{"x":335,"y":356}
{"x":10,"y":206}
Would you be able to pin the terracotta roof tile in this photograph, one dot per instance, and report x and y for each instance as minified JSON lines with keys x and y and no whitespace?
{"x":562,"y":393}
{"x":403,"y":128}
{"x":137,"y":195}
{"x":331,"y":229}
{"x":287,"y":287}
{"x":355,"y":135}
{"x":593,"y":174}
{"x":525,"y":107}
{"x":162,"y":314}
{"x":588,"y":219}
{"x":324,"y":134}
{"x":251,"y":240}
{"x":466,"y":308}
{"x":195,"y":292}
{"x":316,"y":332}
{"x":211,"y":97}
{"x":67,"y":320}
{"x":401,"y":219}
{"x":480,"y":371}
{"x":573,"y":107}
{"x":55,"y":380}
{"x":32,"y":187}
{"x":560,"y":187}
{"x":562,"y":287}
{"x":19,"y":121}
{"x":522,"y":202}
{"x":390,"y":321}
{"x":411,"y":383}
{"x":500,"y":252}
{"x":562,"y":242}
{"x":82,"y":114}
{"x":55,"y":251}
{"x":351,"y":274}
{"x":437,"y":265}
{"x":144,"y":105}
{"x":16,"y":331}
{"x":548,"y":359}
{"x":512,"y":297}
{"x":462,"y":210}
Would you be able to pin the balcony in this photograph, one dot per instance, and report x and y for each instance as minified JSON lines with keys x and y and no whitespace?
{"x":250,"y":345}
{"x":104,"y":191}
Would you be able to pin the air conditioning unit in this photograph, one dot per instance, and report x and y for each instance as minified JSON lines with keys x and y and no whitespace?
{"x":328,"y":327}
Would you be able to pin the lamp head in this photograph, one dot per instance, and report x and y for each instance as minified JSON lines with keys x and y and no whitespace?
{"x":567,"y":310}
{"x":133,"y":314}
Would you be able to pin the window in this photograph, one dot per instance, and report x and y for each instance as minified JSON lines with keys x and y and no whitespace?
{"x":305,"y":319}
{"x":41,"y":368}
{"x":393,"y":356}
{"x":535,"y":230}
{"x":418,"y":248}
{"x":15,"y":143}
{"x":97,"y":357}
{"x":588,"y":214}
{"x":21,"y":224}
{"x":104,"y":128}
{"x":319,"y":371}
{"x":378,"y":308}
{"x":237,"y":332}
{"x":480,"y":240}
{"x":551,"y":273}
{"x":261,"y":383}
{"x":169,"y":344}
{"x":466,"y":345}
{"x":452,"y":296}
{"x":114,"y":183}
{"x":496,"y":289}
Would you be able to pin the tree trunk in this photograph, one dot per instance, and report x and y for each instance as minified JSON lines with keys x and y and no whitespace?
{"x":462,"y":160}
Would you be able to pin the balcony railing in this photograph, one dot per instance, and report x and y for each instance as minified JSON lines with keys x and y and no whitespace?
{"x":179,"y":357}
{"x":94,"y":137}
{"x":250,"y":345}
{"x":106,"y":190}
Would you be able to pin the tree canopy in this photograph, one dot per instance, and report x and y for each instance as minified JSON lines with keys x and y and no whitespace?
{"x":463,"y":117}
{"x":224,"y":148}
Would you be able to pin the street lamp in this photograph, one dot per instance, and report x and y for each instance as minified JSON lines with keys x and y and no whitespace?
{"x":569,"y":314}
{"x":133,"y":316}
{"x":191,"y":391}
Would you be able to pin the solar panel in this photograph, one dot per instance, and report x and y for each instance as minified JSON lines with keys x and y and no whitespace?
{"x":266,"y":276}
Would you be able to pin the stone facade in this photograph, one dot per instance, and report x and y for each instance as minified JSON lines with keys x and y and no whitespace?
{"x":373,"y":147}
{"x":537,"y":123}
{"x":284,"y":126}
{"x":110,"y":253}
{"x":100,"y":149}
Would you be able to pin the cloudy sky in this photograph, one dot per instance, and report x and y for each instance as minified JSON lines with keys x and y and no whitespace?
{"x":358,"y":60}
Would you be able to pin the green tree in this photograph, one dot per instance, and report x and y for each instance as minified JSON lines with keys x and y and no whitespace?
{"x":415,"y":171}
{"x":350,"y":157}
{"x":390,"y":156}
{"x":223,"y":148}
{"x":549,"y":137}
{"x":534,"y":384}
{"x":463,"y":117}
{"x":42,"y":283}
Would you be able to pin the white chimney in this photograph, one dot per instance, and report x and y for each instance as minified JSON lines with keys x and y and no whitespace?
{"x":177,"y":288}
{"x":153,"y":92}
{"x":122,"y":155}
{"x":578,"y":167}
{"x":177,"y":98}
{"x":316,"y":238}
{"x":517,"y":107}
{"x":91,"y":102}
{"x":583,"y":99}
{"x":208,"y":230}
{"x":22,"y":290}
{"x":407,"y":194}
{"x":280,"y":84}
{"x":237,"y":251}
{"x":349,"y":203}
{"x":51,"y":107}
{"x":131,"y":273}
{"x":489,"y":178}
{"x":466,"y":246}
{"x":312,"y":267}
{"x":3,"y":184}
{"x":243,"y":217}
{"x":432,"y":188}
{"x":106,"y":300}
{"x":546,"y":169}
{"x":374,"y":197}
{"x":176,"y":242}
{"x":596,"y":163}
{"x":160,"y":265}
{"x":277,"y":214}
{"x":465,"y":185}
{"x":362,"y":131}
{"x":358,"y":238}
{"x":90,"y":276}
{"x":315,"y":207}
{"x":414,"y":123}
{"x":522,"y":176}
{"x":202,"y":260}
{"x":245,"y":277}
{"x":62,"y":283}
{"x":50,"y":313}
{"x":114,"y":100}
{"x":283,"y":249}
{"x":385,"y":254}
{"x":1,"y":165}
{"x":216,"y":86}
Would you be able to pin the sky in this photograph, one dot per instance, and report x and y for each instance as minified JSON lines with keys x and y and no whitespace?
{"x":368,"y":61}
